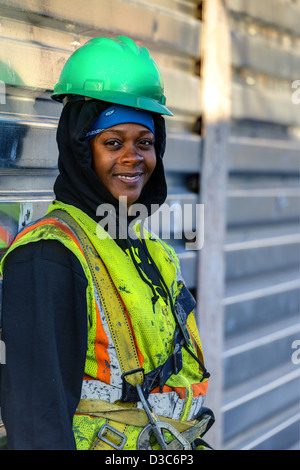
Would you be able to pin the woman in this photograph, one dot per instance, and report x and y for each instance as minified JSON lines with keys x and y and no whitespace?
{"x":99,"y":330}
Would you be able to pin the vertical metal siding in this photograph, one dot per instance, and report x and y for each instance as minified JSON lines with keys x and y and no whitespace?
{"x":35,"y":55}
{"x":261,"y":391}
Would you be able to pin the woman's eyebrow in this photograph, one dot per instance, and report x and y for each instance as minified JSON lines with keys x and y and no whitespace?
{"x":121,"y":131}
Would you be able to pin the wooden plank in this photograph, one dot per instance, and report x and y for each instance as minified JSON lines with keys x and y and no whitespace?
{"x":183,"y":152}
{"x":142,"y":21}
{"x":29,"y":65}
{"x":261,"y":155}
{"x":216,"y":75}
{"x":265,"y":56}
{"x":282,"y":14}
{"x":262,"y":206}
{"x":260,"y":103}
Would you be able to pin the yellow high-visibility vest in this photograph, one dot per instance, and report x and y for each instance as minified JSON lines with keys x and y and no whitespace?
{"x":150,"y":330}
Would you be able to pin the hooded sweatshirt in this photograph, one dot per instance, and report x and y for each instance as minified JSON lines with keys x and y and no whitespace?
{"x":77,"y":183}
{"x":44,"y":311}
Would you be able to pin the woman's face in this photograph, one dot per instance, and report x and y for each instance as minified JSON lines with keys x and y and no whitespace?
{"x":124,"y":159}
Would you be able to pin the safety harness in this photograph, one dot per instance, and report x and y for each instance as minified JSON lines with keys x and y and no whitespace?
{"x":136,"y":384}
{"x":120,"y":329}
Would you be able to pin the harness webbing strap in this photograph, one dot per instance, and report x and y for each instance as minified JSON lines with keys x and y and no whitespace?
{"x":119,"y":325}
{"x":125,"y":414}
{"x":122,"y":414}
{"x":111,"y":302}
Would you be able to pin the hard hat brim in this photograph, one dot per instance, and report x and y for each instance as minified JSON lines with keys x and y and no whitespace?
{"x":117,"y":97}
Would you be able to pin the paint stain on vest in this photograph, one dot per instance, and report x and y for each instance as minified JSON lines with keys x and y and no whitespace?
{"x":123,"y":289}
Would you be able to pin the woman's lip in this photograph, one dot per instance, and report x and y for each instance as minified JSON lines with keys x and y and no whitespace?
{"x":129,"y":178}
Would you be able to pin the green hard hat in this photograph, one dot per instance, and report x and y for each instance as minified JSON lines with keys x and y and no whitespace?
{"x":114,"y":70}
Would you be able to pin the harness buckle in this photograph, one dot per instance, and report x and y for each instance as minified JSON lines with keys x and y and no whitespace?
{"x":105,"y":434}
{"x":129,"y":393}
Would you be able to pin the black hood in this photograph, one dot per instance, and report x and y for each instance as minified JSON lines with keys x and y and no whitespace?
{"x":77,"y":183}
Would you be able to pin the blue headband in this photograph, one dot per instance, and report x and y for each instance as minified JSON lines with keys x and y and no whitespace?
{"x":118,"y":114}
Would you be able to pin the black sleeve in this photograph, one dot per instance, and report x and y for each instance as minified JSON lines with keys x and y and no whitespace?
{"x":45,"y":336}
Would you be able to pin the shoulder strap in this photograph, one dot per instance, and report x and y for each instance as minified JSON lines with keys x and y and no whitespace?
{"x":111,"y":302}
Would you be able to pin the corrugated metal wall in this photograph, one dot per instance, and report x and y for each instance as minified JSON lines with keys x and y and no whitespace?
{"x":261,"y":306}
{"x":36,"y":38}
{"x":260,"y":394}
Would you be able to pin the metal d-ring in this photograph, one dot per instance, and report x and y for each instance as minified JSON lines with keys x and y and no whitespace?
{"x":143,"y":442}
{"x":156,"y":427}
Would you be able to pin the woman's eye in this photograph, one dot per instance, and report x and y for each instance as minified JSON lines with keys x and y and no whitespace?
{"x":112,"y":143}
{"x":147,"y":143}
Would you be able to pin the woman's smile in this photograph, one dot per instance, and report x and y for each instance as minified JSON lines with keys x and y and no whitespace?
{"x":129,"y":179}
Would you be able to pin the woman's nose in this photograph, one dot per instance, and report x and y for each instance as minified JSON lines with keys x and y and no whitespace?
{"x":130,"y":155}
